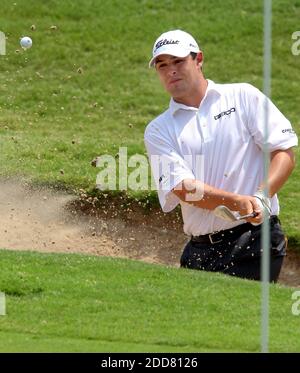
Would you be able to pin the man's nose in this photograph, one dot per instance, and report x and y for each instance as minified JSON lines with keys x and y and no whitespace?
{"x":172,"y":71}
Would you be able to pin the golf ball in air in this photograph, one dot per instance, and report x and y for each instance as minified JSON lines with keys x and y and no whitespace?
{"x":26,"y":42}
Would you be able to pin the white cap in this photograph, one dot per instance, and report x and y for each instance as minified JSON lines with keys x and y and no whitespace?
{"x":176,"y":43}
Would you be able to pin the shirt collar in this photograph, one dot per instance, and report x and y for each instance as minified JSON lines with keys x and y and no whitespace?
{"x":175,"y":106}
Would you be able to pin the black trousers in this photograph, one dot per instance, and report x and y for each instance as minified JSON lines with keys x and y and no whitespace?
{"x":240,"y":256}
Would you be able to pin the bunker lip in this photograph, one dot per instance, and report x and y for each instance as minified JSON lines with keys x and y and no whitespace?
{"x":48,"y":220}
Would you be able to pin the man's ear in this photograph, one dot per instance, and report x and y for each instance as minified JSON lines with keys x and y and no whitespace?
{"x":199,"y":59}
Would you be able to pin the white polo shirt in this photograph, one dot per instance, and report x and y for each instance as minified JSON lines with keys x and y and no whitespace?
{"x":219,"y":143}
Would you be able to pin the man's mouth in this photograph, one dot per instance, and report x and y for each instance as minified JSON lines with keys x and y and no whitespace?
{"x":174,"y":81}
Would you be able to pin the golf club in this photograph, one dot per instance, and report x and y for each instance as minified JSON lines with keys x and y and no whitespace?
{"x":225,"y":213}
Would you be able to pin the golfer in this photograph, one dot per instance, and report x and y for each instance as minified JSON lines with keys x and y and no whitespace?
{"x":206,"y":151}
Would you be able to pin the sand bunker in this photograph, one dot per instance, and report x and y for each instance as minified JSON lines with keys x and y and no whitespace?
{"x":38,"y":220}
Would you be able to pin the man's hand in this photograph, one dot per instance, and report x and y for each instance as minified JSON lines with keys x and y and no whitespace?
{"x":265,"y":205}
{"x":258,"y":203}
{"x":247,"y":205}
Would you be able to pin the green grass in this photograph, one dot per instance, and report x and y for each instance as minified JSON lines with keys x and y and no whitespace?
{"x":54,"y":118}
{"x":83,"y":303}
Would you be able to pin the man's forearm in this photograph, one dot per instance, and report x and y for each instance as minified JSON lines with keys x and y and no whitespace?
{"x":205,"y":196}
{"x":208,"y":197}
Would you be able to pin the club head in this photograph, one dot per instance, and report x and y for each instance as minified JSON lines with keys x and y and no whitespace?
{"x":225,"y":213}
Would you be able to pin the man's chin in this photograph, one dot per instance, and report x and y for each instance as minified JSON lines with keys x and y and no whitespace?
{"x":175,"y":90}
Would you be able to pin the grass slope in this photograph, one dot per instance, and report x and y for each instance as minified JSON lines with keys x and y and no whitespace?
{"x":78,"y":303}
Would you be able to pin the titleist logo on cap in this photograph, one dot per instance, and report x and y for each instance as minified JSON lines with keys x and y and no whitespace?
{"x":165,"y":42}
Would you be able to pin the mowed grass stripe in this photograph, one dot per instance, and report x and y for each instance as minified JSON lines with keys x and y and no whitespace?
{"x":119,"y":302}
{"x":25,"y":342}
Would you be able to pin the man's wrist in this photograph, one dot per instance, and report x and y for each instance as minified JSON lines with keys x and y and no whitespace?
{"x":232,"y":201}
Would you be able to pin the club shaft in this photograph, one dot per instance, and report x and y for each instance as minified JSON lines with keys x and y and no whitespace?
{"x":252,"y":215}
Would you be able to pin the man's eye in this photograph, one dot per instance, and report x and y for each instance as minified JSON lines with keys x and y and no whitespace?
{"x":162,"y":65}
{"x":178,"y":61}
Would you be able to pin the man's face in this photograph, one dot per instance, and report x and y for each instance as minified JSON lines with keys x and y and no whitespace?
{"x":178,"y":74}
